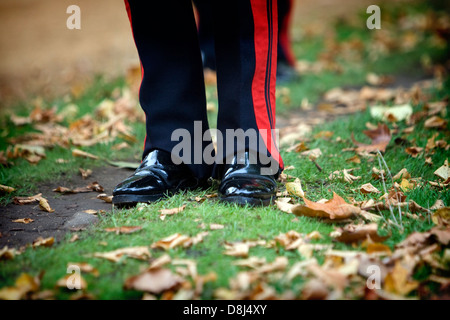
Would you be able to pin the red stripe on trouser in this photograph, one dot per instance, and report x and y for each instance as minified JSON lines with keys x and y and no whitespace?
{"x":264,"y":80}
{"x":127,"y":6}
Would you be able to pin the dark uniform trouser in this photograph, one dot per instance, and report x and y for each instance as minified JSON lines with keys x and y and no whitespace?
{"x":206,"y":33}
{"x":172,"y":91}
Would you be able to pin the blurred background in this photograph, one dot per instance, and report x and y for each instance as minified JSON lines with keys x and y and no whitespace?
{"x":39,"y":55}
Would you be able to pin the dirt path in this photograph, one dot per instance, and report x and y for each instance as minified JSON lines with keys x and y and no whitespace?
{"x":69,"y":209}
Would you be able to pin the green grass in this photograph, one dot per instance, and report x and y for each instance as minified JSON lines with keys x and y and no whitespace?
{"x":240,"y":223}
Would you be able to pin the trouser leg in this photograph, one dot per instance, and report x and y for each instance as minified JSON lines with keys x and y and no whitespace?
{"x":246,"y":59}
{"x":172,"y":92}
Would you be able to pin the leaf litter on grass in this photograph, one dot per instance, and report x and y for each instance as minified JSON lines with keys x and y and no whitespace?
{"x":169,"y":278}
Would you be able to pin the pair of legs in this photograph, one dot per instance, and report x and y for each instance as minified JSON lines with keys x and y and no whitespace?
{"x":172,"y":95}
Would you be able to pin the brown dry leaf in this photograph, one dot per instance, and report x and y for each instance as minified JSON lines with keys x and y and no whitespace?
{"x":439,"y":184}
{"x":31,"y":153}
{"x":47,"y":242}
{"x":406,"y":185}
{"x":6,"y":189}
{"x":331,"y":277}
{"x":85,"y":267}
{"x":314,"y":153}
{"x":168,"y":212}
{"x":197,"y":238}
{"x":378,"y":248}
{"x":237,"y":249}
{"x":443,"y":144}
{"x":80,"y":153}
{"x":295,"y":188}
{"x":44,"y":205}
{"x":74,"y":238}
{"x":314,"y":235}
{"x":380,"y":139}
{"x":354,"y":233}
{"x":81,"y":295}
{"x":252,"y":262}
{"x":444,"y":171}
{"x":190,"y":264}
{"x":139,"y":253}
{"x":216,"y":226}
{"x":336,"y":208}
{"x":290,"y":240}
{"x":435,"y":122}
{"x":411,"y":205}
{"x":27,"y":200}
{"x":402,"y":174}
{"x":344,"y":175}
{"x":307,"y":249}
{"x":418,"y":241}
{"x":61,"y":189}
{"x":394,"y":197}
{"x":172,"y":241}
{"x":279,"y":264}
{"x":409,"y":130}
{"x":315,"y":289}
{"x":368,"y":188}
{"x":120,"y":146}
{"x":85,"y":173}
{"x":378,"y":174}
{"x":160,"y":261}
{"x":105,"y":197}
{"x":299,"y":147}
{"x":414,"y":151}
{"x":324,"y":135}
{"x":436,"y":107}
{"x":354,"y":159}
{"x":24,"y":285}
{"x":441,"y":216}
{"x":63,"y":282}
{"x":378,"y":80}
{"x":154,"y":281}
{"x":299,"y":269}
{"x":124,"y":230}
{"x":398,"y":281}
{"x":284,"y":206}
{"x":439,"y":204}
{"x":20,"y":121}
{"x":431,"y":144}
{"x":8,"y":253}
{"x":177,"y":240}
{"x":24,"y":220}
{"x":442,"y":235}
{"x":95,"y":186}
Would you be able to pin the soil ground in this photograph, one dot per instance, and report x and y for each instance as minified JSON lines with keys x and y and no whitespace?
{"x":69,"y":209}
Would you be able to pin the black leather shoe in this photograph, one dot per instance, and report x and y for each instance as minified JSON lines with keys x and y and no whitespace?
{"x":243,"y":183}
{"x":156,"y":177}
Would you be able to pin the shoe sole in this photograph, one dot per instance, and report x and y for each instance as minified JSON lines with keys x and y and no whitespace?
{"x":243,"y":201}
{"x":130,"y":200}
